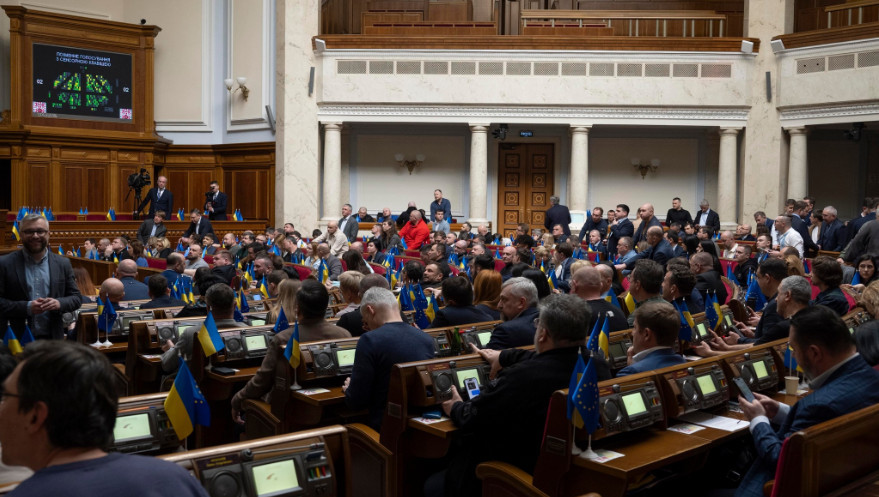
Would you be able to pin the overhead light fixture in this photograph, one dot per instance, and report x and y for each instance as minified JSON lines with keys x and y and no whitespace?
{"x":409,"y":164}
{"x":646,"y":167}
{"x":242,"y":86}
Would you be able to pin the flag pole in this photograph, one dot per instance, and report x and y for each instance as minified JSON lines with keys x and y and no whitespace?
{"x":575,"y":451}
{"x":589,"y":453}
{"x":295,"y":386}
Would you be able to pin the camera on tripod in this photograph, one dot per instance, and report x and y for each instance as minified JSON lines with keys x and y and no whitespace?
{"x":139,"y":180}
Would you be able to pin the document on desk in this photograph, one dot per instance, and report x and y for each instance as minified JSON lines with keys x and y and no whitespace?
{"x":712,"y":421}
{"x":430,"y":421}
{"x":312,"y":391}
{"x":686,"y":428}
{"x":603,"y":455}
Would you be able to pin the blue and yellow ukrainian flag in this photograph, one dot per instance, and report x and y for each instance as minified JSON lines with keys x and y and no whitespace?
{"x":11,"y":341}
{"x":630,"y":302}
{"x":264,"y":288}
{"x":111,"y":214}
{"x":107,"y":316}
{"x":612,"y":298}
{"x":685,"y":331}
{"x":432,"y":308}
{"x":685,"y":311}
{"x":185,"y":404}
{"x":604,"y":338}
{"x":209,"y":336}
{"x":242,"y":302}
{"x":188,"y":286}
{"x":712,"y":309}
{"x":15,"y":231}
{"x":323,"y":271}
{"x":60,"y":250}
{"x":291,"y":352}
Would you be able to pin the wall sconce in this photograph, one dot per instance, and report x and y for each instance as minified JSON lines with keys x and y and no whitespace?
{"x":242,"y":86}
{"x":409,"y":164}
{"x":645,"y":168}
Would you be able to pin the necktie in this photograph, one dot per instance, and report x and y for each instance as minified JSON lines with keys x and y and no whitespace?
{"x":159,"y":195}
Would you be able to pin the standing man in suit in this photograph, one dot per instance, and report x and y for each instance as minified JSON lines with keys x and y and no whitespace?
{"x":160,"y":199}
{"x":215,"y":203}
{"x":557,"y":214}
{"x":595,"y":222}
{"x":620,"y":227}
{"x":198,"y":225}
{"x":36,"y":285}
{"x":832,"y":232}
{"x":440,"y":204}
{"x":648,"y":219}
{"x":152,"y":227}
{"x":707,"y":217}
{"x":800,"y":224}
{"x":841,"y":383}
{"x":348,"y":224}
{"x":676,"y":214}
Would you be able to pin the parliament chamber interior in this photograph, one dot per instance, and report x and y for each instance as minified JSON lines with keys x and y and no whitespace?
{"x":297,"y":110}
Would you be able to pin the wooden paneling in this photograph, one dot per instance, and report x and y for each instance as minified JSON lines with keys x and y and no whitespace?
{"x":395,"y":42}
{"x":827,"y":36}
{"x":39,"y":187}
{"x":74,"y":188}
{"x":525,"y":179}
{"x":96,"y":188}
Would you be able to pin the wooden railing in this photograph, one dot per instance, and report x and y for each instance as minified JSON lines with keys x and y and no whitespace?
{"x":432,"y":28}
{"x":659,"y":23}
{"x":828,"y":36}
{"x":852,"y":13}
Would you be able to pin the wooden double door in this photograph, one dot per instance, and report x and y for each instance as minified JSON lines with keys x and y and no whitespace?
{"x":525,"y":179}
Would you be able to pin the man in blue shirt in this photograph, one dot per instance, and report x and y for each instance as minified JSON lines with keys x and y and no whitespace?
{"x":440,"y":203}
{"x":653,"y":337}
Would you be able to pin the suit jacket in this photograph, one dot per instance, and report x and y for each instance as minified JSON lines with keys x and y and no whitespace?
{"x":516,"y":332}
{"x":443,"y":204}
{"x":204,"y":226}
{"x":661,"y":253}
{"x":590,"y":225}
{"x":600,"y":308}
{"x":854,"y":386}
{"x":558,"y":214}
{"x":800,"y":226}
{"x":166,"y":203}
{"x":14,"y":295}
{"x":228,"y":273}
{"x":335,"y":267}
{"x":855,"y":225}
{"x":641,"y":233}
{"x":134,"y":290}
{"x":564,"y":283}
{"x":351,"y":228}
{"x":713,"y":220}
{"x":219,"y":204}
{"x":456,"y":316}
{"x":832,"y":236}
{"x":623,"y":228}
{"x":710,"y":281}
{"x":146,"y":227}
{"x":163,"y":301}
{"x":743,"y":269}
{"x":657,"y":359}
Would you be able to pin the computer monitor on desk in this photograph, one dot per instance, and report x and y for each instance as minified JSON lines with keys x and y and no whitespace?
{"x":758,"y":366}
{"x":695,"y":386}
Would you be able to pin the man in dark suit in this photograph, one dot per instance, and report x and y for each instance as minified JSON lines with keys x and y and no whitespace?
{"x":707,"y":279}
{"x":800,"y":224}
{"x":645,"y":212}
{"x":348,"y":224}
{"x":745,"y":264}
{"x":159,"y":293}
{"x":707,"y":217}
{"x":660,"y":250}
{"x":120,"y":249}
{"x":459,"y":309}
{"x":653,"y":338}
{"x":215,"y":203}
{"x":620,"y":227}
{"x":518,"y":306}
{"x":198,"y":225}
{"x":677,"y":214}
{"x":152,"y":227}
{"x":841,"y":383}
{"x":563,"y":258}
{"x":36,"y":285}
{"x":586,"y":284}
{"x":134,"y":290}
{"x":854,"y":225}
{"x":159,"y":198}
{"x":595,"y":222}
{"x":557,"y":214}
{"x":175,"y":264}
{"x":832,"y":232}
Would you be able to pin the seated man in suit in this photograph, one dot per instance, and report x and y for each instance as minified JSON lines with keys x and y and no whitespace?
{"x":653,"y":338}
{"x":659,"y":249}
{"x":175,"y":264}
{"x":506,"y":421}
{"x":160,"y":294}
{"x":126,"y":271}
{"x":595,"y":244}
{"x":586,"y":284}
{"x":518,"y":306}
{"x":840,"y":379}
{"x":707,"y":279}
{"x":120,"y":249}
{"x":334,"y":265}
{"x":198,"y":225}
{"x":353,"y":321}
{"x":459,"y":309}
{"x":562,"y":258}
{"x":153,"y":227}
{"x":745,"y":264}
{"x":679,"y":286}
{"x":223,"y":266}
{"x":645,"y":284}
{"x":626,"y":256}
{"x":390,"y":341}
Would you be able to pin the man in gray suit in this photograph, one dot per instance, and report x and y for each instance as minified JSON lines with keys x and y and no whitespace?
{"x":348,"y":224}
{"x":152,"y":227}
{"x":36,"y":285}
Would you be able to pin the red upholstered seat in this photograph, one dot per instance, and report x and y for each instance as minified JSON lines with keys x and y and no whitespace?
{"x":378,"y":268}
{"x":498,"y":264}
{"x":344,"y":266}
{"x":157,"y":263}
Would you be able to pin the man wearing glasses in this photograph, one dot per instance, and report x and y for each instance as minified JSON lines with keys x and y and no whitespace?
{"x":36,"y":285}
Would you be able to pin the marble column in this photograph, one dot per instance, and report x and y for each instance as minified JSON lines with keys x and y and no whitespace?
{"x":332,"y":180}
{"x":478,"y":174}
{"x":798,"y":165}
{"x":297,"y":140}
{"x":578,"y":185}
{"x":727,"y":190}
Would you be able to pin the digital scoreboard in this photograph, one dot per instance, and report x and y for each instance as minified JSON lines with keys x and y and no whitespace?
{"x":81,"y":84}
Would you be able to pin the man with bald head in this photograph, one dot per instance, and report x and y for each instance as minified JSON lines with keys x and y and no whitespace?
{"x":659,"y":249}
{"x":112,"y":290}
{"x":385,"y":215}
{"x":648,"y":220}
{"x":194,"y":260}
{"x":728,"y":245}
{"x":743,"y":233}
{"x":586,"y":284}
{"x":134,"y":290}
{"x":707,"y":279}
{"x":415,"y":233}
{"x":334,"y":265}
{"x":336,"y":240}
